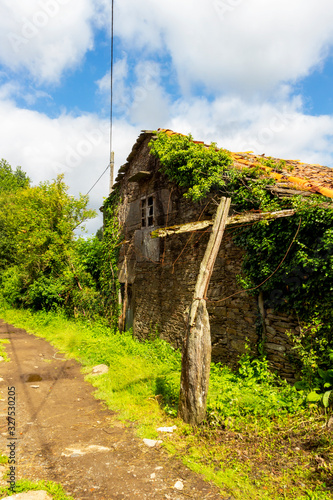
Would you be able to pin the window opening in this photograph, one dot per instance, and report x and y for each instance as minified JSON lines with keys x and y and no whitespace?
{"x":147,"y":211}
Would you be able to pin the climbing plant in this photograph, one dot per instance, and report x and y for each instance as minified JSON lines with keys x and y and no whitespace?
{"x":303,"y":285}
{"x":108,"y":277}
{"x":299,"y":281}
{"x":200,"y":169}
{"x":193,"y":166}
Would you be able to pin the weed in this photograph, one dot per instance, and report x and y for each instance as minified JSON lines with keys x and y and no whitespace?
{"x":3,"y":353}
{"x":54,"y":489}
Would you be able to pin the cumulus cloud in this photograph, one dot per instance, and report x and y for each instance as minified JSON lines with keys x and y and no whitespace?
{"x":241,"y":56}
{"x":46,"y":147}
{"x":279,"y":129}
{"x":45,"y":37}
{"x":250,"y":45}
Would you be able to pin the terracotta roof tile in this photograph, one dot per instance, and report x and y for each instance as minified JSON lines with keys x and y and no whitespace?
{"x":304,"y":176}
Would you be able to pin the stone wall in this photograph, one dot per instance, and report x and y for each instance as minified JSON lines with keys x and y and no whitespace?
{"x":161,"y":274}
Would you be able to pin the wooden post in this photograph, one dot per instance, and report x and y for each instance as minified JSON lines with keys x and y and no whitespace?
{"x":111,"y":171}
{"x":196,"y":356}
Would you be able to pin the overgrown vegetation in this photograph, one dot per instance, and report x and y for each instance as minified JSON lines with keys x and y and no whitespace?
{"x":43,"y":265}
{"x":261,"y":440}
{"x":302,"y":283}
{"x":39,"y":264}
{"x":191,"y":165}
{"x":108,"y":279}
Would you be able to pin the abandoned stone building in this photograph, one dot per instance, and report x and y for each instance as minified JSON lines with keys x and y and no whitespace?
{"x":158,"y":275}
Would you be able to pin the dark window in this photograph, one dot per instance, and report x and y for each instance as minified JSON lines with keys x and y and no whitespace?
{"x":147,"y":211}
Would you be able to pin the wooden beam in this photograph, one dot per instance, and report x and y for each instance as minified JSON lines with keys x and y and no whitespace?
{"x":213,"y":246}
{"x":196,"y":354}
{"x":231,"y":220}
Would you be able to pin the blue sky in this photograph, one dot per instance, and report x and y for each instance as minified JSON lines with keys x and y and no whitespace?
{"x":248,"y":74}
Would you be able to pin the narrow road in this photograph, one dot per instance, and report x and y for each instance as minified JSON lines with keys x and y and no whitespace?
{"x":66,"y":435}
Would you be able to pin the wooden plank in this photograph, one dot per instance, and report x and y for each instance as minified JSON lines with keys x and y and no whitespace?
{"x":196,"y":354}
{"x":213,"y":246}
{"x":231,"y":220}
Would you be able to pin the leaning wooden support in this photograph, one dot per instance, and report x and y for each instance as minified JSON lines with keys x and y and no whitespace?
{"x":196,"y":354}
{"x":232,"y":220}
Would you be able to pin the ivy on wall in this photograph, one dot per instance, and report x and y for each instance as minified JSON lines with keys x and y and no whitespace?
{"x":189,"y":164}
{"x":110,"y":253}
{"x":303,"y":284}
{"x":201,"y":169}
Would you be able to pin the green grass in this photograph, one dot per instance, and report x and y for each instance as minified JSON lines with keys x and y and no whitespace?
{"x":54,"y":489}
{"x":260,"y":441}
{"x":3,"y":353}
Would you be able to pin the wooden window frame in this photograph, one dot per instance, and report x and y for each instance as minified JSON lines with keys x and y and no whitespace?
{"x":147,"y":207}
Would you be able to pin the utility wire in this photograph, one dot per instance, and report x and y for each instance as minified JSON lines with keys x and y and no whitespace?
{"x":111,"y":89}
{"x":99,"y":178}
{"x":111,"y":97}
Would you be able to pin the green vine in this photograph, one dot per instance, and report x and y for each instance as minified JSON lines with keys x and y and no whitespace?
{"x":201,"y":169}
{"x":191,"y":165}
{"x":303,"y":284}
{"x":110,"y":253}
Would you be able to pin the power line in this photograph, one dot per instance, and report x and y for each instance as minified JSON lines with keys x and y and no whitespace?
{"x":111,"y":79}
{"x":99,"y":178}
{"x":111,"y":99}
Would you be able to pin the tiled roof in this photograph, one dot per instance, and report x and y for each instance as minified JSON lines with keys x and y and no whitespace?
{"x":291,"y":173}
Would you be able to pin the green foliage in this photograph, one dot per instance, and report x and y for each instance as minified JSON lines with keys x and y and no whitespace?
{"x":39,"y":266}
{"x":4,"y":355}
{"x":310,"y":350}
{"x":190,"y":165}
{"x":55,"y":490}
{"x":90,"y":252}
{"x":278,"y":166}
{"x":323,"y":389}
{"x":110,"y":247}
{"x":253,"y":390}
{"x":11,"y":181}
{"x":251,"y":451}
{"x":201,"y":169}
{"x":303,"y":284}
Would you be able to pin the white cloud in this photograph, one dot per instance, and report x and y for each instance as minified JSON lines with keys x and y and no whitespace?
{"x":45,"y":37}
{"x":246,"y":53}
{"x":76,"y":146}
{"x":143,"y":99}
{"x":253,"y":45}
{"x":280,"y":129}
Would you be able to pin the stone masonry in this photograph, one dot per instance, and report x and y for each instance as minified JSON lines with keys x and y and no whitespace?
{"x":160,"y":274}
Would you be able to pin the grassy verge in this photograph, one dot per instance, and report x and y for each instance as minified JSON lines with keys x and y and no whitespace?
{"x":260,"y":441}
{"x":3,"y":353}
{"x":54,"y":489}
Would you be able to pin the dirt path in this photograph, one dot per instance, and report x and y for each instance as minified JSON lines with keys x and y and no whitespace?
{"x":58,"y":418}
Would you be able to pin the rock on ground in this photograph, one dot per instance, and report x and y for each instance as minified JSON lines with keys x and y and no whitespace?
{"x":30,"y":495}
{"x":100,"y":370}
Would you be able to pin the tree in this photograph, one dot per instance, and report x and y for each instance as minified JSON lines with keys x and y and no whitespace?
{"x":38,"y":264}
{"x":11,"y":181}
